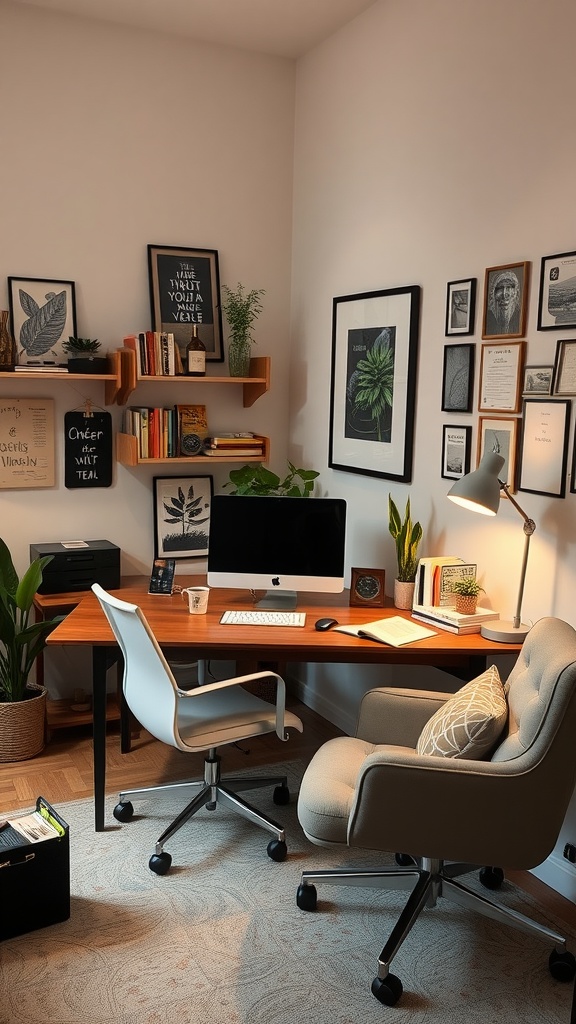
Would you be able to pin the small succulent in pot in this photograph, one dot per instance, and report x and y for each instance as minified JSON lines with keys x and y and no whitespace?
{"x":83,"y":355}
{"x":81,"y":346}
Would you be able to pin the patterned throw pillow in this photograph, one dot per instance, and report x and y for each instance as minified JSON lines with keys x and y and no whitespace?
{"x":469,"y":723}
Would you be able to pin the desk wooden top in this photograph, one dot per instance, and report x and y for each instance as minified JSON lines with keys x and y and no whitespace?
{"x":174,"y":626}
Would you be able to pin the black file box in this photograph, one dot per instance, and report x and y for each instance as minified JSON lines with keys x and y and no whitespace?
{"x":35,"y":882}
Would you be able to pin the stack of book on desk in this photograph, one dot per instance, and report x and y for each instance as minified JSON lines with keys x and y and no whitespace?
{"x":451,"y":620}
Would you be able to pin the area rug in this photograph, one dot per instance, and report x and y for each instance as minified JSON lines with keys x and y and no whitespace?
{"x":220,"y":940}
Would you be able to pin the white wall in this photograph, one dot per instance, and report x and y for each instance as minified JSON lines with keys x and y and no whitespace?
{"x":433,"y":140}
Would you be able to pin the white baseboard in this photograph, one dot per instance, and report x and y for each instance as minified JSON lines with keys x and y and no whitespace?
{"x":323,"y":706}
{"x":559,"y":875}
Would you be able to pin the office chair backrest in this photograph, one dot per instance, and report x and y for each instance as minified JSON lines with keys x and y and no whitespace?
{"x":149,"y":686}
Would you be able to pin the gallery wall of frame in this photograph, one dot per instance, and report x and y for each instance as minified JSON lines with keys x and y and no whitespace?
{"x":523,"y":401}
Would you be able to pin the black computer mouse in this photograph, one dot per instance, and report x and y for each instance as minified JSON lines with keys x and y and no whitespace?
{"x":322,"y":624}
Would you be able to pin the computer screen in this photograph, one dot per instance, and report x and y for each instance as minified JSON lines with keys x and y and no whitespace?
{"x":281,"y":545}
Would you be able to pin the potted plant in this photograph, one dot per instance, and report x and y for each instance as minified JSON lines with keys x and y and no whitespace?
{"x":249,"y":480}
{"x":82,"y":356}
{"x":407,"y":536}
{"x":22,"y":704}
{"x":466,"y":595}
{"x":241,"y":308}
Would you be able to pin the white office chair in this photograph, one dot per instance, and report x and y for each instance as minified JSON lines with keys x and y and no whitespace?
{"x":197,"y":720}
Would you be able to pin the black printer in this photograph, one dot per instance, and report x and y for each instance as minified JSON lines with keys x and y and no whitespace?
{"x":76,"y":565}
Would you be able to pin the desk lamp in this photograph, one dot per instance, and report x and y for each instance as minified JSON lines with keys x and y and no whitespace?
{"x":480,"y":492}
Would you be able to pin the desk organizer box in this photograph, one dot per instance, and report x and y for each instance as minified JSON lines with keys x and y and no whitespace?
{"x":35,"y":880}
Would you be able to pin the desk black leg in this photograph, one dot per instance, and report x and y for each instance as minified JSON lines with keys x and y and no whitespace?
{"x":99,"y":666}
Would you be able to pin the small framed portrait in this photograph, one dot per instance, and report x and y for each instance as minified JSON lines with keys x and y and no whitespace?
{"x":182,"y":516}
{"x":505,"y":301}
{"x":557,"y":297}
{"x":564,"y":382}
{"x":537,"y":380}
{"x":460,"y":307}
{"x":456,"y":442}
{"x":42,"y":317}
{"x":458,"y":378}
{"x":500,"y":436}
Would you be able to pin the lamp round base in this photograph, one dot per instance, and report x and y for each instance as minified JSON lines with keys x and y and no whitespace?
{"x":504,"y":632}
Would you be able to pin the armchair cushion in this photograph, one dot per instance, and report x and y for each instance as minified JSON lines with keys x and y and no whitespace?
{"x":470,"y":723}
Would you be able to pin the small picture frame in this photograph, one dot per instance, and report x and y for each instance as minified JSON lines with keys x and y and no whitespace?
{"x":42,"y":317}
{"x":537,"y":381}
{"x":501,"y":367}
{"x":500,"y":435}
{"x":460,"y":307}
{"x":182,"y":507}
{"x":505,"y":301}
{"x":557,"y":297}
{"x":544,"y":447}
{"x":456,"y":441}
{"x":564,"y":382}
{"x":185,"y":290}
{"x":458,"y":378}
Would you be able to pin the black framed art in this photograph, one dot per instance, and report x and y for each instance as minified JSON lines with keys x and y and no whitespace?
{"x":557,"y":296}
{"x":185,"y":290}
{"x":460,"y":307}
{"x":505,"y":301}
{"x":373,"y":382}
{"x":182,"y":516}
{"x":42,"y":317}
{"x":544,"y":447}
{"x":500,"y":435}
{"x":456,"y":441}
{"x":564,"y":382}
{"x":458,"y":378}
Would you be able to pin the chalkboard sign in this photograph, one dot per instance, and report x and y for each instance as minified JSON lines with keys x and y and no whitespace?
{"x":185,"y":290}
{"x":88,"y":449}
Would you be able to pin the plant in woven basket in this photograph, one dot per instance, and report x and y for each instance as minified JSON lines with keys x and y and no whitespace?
{"x":466,"y":592}
{"x":21,"y":639}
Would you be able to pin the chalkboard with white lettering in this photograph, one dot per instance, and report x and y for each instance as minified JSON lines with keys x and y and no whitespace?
{"x":87,"y":449}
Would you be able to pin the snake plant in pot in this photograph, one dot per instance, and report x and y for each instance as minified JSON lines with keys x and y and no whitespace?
{"x":407,"y":536}
{"x":22,"y":703}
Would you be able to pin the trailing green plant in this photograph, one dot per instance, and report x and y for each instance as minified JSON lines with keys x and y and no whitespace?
{"x":407,"y":536}
{"x":21,"y":640}
{"x":81,"y":345}
{"x":257,"y":480}
{"x":241,"y":308}
{"x":467,"y":587}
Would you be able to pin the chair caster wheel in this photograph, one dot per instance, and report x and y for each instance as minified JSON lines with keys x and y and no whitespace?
{"x":306,"y":897}
{"x":562,"y":965}
{"x":281,"y":795}
{"x":491,"y":878}
{"x":277,"y":849}
{"x":387,"y":990}
{"x":160,"y":863}
{"x":123,"y":812}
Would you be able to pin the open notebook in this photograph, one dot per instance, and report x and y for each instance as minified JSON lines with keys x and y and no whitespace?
{"x":393,"y":630}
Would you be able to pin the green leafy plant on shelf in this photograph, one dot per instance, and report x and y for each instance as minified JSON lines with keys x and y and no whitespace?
{"x":81,"y":346}
{"x":241,"y":309}
{"x":407,"y":536}
{"x":21,"y":640}
{"x":257,"y":480}
{"x":467,"y":587}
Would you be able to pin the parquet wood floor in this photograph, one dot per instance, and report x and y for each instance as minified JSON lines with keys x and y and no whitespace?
{"x":63,"y":771}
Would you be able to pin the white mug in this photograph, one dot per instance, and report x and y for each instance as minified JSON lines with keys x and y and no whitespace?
{"x":197,"y":599}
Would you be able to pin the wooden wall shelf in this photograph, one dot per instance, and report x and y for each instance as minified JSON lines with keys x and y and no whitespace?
{"x":127,"y":455}
{"x":254,"y":386}
{"x":112,"y":379}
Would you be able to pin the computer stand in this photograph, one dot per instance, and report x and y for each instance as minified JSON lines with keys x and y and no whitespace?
{"x":278,"y":600}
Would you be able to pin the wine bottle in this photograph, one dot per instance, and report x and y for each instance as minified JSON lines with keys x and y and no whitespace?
{"x":195,"y":355}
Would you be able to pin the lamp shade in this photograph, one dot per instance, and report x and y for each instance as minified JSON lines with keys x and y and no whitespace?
{"x":480,"y":491}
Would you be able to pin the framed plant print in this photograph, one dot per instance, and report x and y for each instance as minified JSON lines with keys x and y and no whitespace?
{"x":458,"y":378}
{"x":537,"y":380}
{"x":501,"y":368}
{"x":565,"y":368}
{"x":185,"y":290}
{"x":500,"y":436}
{"x":460,"y":307}
{"x":505,"y":301}
{"x":455,"y":451}
{"x":182,"y":516}
{"x":557,"y":297}
{"x":373,"y":382}
{"x":544,"y":447}
{"x":42,"y":317}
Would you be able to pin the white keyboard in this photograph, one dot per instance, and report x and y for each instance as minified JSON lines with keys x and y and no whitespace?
{"x":263,"y":618}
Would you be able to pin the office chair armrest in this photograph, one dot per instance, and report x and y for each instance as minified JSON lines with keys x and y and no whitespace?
{"x":222,"y":684}
{"x":395,"y":715}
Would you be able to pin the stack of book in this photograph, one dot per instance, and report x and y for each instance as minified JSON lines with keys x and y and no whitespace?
{"x":157,"y":354}
{"x":40,"y":368}
{"x":451,"y":620}
{"x":229,"y":445}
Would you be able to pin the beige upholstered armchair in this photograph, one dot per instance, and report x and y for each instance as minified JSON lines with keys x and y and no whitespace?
{"x":480,"y":777}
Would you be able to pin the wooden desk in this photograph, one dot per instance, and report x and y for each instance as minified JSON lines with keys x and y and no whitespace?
{"x":174,"y":627}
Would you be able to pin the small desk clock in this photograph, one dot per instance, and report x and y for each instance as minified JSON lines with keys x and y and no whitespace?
{"x":367,"y":588}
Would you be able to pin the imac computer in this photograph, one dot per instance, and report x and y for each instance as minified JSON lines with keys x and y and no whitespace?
{"x":280,"y":545}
